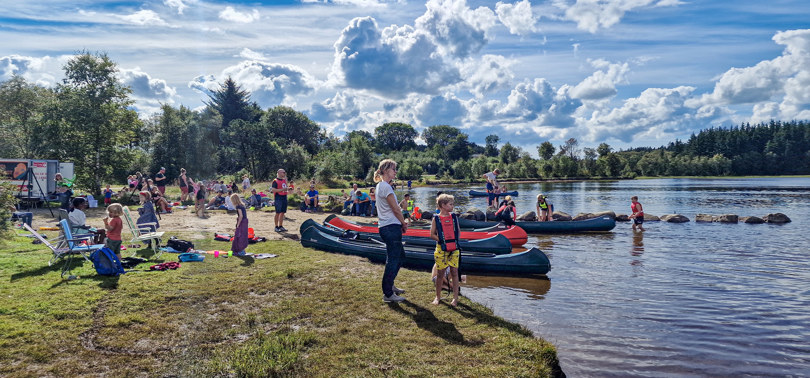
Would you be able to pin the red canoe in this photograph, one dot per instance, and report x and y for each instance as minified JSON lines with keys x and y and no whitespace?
{"x":515,"y":234}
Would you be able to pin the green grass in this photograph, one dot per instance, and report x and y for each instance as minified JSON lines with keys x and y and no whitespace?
{"x":304,"y":313}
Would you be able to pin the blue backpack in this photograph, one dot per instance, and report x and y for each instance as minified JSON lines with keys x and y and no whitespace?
{"x":106,"y":262}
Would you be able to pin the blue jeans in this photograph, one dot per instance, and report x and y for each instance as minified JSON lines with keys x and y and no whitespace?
{"x":362,"y":208}
{"x":392,"y":236}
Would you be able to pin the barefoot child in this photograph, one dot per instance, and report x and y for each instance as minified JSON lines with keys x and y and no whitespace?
{"x":638,"y":213}
{"x":114,"y":225}
{"x":240,"y":236}
{"x":445,"y":231}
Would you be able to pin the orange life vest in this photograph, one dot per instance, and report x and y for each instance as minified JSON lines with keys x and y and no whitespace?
{"x":448,"y":226}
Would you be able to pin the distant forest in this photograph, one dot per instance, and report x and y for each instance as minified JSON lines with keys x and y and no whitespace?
{"x":88,"y":119}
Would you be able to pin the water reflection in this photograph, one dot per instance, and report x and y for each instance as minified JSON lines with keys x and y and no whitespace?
{"x":534,"y":287}
{"x":638,"y":247}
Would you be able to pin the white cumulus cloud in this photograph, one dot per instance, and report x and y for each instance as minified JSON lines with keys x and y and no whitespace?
{"x":180,"y":5}
{"x":232,"y":15}
{"x":143,"y":17}
{"x":343,"y":106}
{"x":591,"y":15}
{"x":602,"y":83}
{"x":270,"y":84}
{"x":393,"y":62}
{"x":489,"y":74}
{"x":148,"y":92}
{"x":455,"y":27}
{"x":777,"y":88}
{"x":517,"y":17}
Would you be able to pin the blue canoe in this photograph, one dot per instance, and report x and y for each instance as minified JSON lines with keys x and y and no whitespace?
{"x":478,"y":193}
{"x":497,"y":244}
{"x":530,"y":262}
{"x":599,"y":224}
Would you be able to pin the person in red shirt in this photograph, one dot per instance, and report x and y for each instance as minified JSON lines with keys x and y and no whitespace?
{"x":114,"y":225}
{"x":638,"y":213}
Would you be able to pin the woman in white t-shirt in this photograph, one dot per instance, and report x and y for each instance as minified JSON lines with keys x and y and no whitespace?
{"x":392,"y":225}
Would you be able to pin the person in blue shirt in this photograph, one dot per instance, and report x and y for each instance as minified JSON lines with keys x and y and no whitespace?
{"x":362,"y":202}
{"x":311,"y":199}
{"x":409,"y":184}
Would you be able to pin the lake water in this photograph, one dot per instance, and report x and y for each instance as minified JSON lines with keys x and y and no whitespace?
{"x":691,"y":299}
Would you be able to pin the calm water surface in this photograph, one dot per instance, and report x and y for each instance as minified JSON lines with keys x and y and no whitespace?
{"x":691,"y":299}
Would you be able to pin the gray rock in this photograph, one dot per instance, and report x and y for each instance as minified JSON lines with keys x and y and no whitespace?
{"x":776,"y":218}
{"x":651,"y":218}
{"x":752,"y":220}
{"x":704,"y":218}
{"x":467,"y":215}
{"x":583,"y":216}
{"x":560,"y":216}
{"x":674,"y":218}
{"x":479,"y":215}
{"x":622,"y":218}
{"x":528,"y":216}
{"x":611,"y":214}
{"x":727,"y":218}
{"x":491,"y":215}
{"x":427,"y":215}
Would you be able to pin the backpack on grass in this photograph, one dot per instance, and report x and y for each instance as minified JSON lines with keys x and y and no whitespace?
{"x":179,"y":244}
{"x":106,"y":262}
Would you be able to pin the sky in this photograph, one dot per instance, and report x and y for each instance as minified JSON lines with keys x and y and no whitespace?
{"x":629,"y":73}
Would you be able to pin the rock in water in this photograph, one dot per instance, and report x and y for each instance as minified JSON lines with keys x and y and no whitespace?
{"x":651,"y":218}
{"x":704,"y":218}
{"x":468,"y":215}
{"x":528,"y":216}
{"x":560,"y":216}
{"x":622,"y":218}
{"x":479,"y":215}
{"x":776,"y":218}
{"x":611,"y":214}
{"x":583,"y":216}
{"x":752,"y":220}
{"x":674,"y":218}
{"x":727,"y":218}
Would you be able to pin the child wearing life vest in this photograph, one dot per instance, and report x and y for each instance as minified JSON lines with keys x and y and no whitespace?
{"x":444,"y":229}
{"x":638,"y":213}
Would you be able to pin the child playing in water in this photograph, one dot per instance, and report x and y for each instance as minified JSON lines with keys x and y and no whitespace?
{"x":444,"y":229}
{"x":638,"y":213}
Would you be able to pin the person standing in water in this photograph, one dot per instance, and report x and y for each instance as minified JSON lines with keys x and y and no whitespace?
{"x":638,"y":213}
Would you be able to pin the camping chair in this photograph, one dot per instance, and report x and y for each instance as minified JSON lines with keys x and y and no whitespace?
{"x":71,"y":247}
{"x":143,"y":232}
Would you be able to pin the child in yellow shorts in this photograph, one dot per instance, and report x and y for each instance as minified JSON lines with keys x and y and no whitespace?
{"x":445,"y":231}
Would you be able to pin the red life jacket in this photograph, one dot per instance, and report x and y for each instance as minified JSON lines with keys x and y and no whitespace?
{"x":448,"y":226}
{"x":281,"y":184}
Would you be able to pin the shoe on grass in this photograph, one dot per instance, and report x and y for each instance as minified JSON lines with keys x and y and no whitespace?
{"x":392,"y":298}
{"x":398,"y":291}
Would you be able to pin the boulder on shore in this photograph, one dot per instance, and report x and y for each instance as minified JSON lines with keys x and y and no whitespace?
{"x":651,"y":218}
{"x":528,"y":216}
{"x":560,"y":216}
{"x":752,"y":220}
{"x":776,"y":218}
{"x":427,"y":215}
{"x":479,"y":215}
{"x":727,"y":218}
{"x":622,"y":218}
{"x":704,"y":218}
{"x":674,"y":218}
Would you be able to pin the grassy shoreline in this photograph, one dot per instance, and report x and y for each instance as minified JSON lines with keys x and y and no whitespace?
{"x":304,"y":313}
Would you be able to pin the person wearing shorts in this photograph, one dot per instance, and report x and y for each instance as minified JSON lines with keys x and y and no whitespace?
{"x":279,"y":189}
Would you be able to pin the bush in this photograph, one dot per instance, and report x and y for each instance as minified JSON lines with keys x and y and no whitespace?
{"x":7,"y":200}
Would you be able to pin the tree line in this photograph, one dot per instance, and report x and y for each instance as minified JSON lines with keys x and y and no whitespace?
{"x":88,"y":119}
